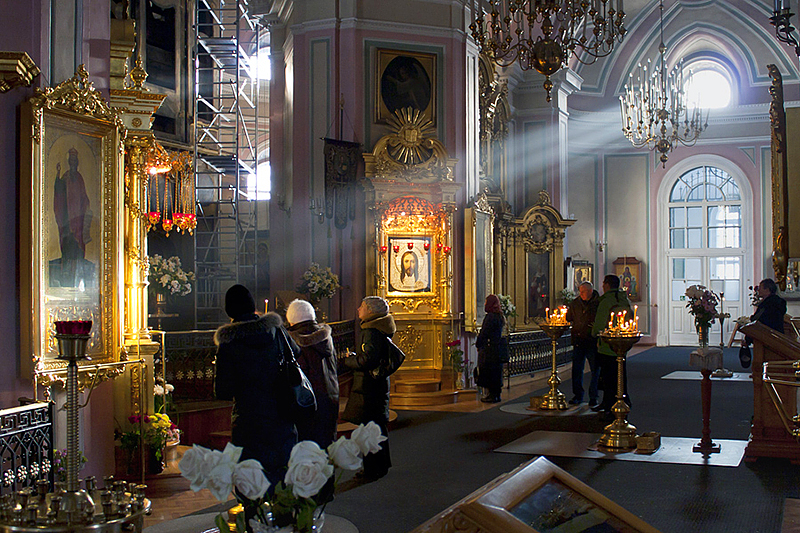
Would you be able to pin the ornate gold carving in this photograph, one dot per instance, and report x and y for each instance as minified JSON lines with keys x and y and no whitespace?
{"x":409,"y":339}
{"x":410,"y":153}
{"x":138,"y":75}
{"x":88,"y":376}
{"x":17,"y":69}
{"x":495,"y":113}
{"x":780,"y":193}
{"x":538,"y":235}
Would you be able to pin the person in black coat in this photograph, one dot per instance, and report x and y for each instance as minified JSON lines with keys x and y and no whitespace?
{"x":369,"y":396}
{"x":772,"y":308}
{"x":490,"y":363}
{"x":317,"y":359}
{"x":582,"y":312}
{"x":247,"y":373}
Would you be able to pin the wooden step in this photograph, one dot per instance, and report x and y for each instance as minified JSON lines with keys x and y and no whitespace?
{"x":400,"y":400}
{"x":417,"y":386}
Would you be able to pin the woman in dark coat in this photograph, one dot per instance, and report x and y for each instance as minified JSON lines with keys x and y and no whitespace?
{"x":247,"y":373}
{"x":318,"y":360}
{"x":369,"y":397}
{"x":490,"y":364}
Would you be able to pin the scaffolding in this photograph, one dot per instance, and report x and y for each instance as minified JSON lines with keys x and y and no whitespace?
{"x":226,"y":42}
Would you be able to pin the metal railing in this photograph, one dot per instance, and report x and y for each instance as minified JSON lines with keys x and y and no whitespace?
{"x":532,"y":351}
{"x":26,"y":446}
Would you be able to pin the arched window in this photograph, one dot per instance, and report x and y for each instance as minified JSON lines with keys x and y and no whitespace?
{"x":705,"y":247}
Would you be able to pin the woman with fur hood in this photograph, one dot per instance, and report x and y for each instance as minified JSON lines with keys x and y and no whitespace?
{"x":369,"y":397}
{"x":318,"y":360}
{"x":247,"y":372}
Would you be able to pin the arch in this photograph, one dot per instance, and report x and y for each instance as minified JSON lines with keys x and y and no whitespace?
{"x":663,"y":251}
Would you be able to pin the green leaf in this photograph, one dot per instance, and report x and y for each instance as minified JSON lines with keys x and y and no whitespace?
{"x":222,"y":525}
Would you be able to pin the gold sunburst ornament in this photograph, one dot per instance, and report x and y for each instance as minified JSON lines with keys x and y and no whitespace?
{"x":411,"y":144}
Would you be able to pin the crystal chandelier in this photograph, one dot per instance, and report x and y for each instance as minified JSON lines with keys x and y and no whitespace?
{"x":542,"y":34}
{"x":654,"y":109}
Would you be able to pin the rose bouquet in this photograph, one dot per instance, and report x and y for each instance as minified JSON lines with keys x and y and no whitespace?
{"x":293,"y":502}
{"x":318,"y":283}
{"x":702,"y":303}
{"x":167,"y":275}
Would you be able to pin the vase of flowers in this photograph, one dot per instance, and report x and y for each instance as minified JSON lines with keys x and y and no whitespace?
{"x":153,"y":432}
{"x":318,"y":283}
{"x":456,"y":356}
{"x":167,"y":278}
{"x":702,"y":303}
{"x":292,"y":505}
{"x":509,"y":311}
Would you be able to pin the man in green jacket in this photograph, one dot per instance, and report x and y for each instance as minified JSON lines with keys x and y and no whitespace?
{"x":613,"y":300}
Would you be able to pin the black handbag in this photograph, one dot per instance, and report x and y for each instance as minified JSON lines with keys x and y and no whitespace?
{"x":745,"y":357}
{"x":297,"y":395}
{"x":390,"y":363}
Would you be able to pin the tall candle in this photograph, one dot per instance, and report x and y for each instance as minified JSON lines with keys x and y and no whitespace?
{"x":266,"y":305}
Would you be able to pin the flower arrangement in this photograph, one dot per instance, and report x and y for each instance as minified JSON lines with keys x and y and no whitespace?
{"x":60,"y":463}
{"x":567,"y":295}
{"x":702,"y":303}
{"x":167,"y":275}
{"x":318,"y":283}
{"x":507,"y":306}
{"x":158,"y":429}
{"x":162,"y":395}
{"x":292,"y":503}
{"x":456,"y":355}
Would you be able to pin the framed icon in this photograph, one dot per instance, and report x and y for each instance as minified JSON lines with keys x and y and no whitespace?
{"x":405,"y":79}
{"x":582,"y":271}
{"x":629,"y":270}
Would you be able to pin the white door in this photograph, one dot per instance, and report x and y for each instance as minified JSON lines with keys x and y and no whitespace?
{"x":705,"y":248}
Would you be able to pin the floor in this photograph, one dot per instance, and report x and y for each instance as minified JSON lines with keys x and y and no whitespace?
{"x":171,"y":497}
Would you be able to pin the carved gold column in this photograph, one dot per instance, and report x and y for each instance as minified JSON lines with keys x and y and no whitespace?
{"x":136,"y":105}
{"x":780,"y":199}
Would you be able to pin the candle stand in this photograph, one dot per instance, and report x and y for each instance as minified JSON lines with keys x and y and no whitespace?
{"x":554,"y":399}
{"x":708,"y":359}
{"x":619,"y":436}
{"x":70,"y":508}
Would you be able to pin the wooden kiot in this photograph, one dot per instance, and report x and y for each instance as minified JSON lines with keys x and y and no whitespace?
{"x":768,"y":436}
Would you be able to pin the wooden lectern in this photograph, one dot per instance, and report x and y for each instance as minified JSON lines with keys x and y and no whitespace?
{"x":768,"y":436}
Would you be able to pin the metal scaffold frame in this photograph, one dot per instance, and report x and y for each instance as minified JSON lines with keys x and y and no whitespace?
{"x":226,"y":40}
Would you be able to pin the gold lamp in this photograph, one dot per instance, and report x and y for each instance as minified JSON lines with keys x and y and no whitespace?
{"x":655,"y":112}
{"x":542,"y":34}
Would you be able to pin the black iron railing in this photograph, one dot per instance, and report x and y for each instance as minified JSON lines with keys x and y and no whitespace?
{"x":26,"y":446}
{"x":532,"y":351}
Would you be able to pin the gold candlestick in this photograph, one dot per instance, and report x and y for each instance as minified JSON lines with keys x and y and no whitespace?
{"x":619,"y":436}
{"x":554,"y":399}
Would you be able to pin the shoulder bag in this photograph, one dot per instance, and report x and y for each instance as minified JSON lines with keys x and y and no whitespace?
{"x":296,"y":395}
{"x":390,"y":363}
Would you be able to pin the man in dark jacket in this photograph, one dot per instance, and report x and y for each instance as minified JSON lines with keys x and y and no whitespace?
{"x":247,"y":372}
{"x":581,"y":313}
{"x":369,"y":397}
{"x":318,"y":360}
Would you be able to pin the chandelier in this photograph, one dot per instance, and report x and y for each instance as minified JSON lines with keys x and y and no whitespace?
{"x":654,"y":108}
{"x":169,"y":191}
{"x":782,"y":20}
{"x":542,"y":34}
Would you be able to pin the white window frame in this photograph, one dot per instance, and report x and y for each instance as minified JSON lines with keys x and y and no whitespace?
{"x":665,"y":253}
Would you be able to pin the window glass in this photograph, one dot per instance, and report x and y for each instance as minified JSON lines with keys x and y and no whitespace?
{"x":695,"y":238}
{"x":677,"y":217}
{"x":678,"y":191}
{"x":677,"y":238}
{"x":695,"y":217}
{"x":679,"y":268}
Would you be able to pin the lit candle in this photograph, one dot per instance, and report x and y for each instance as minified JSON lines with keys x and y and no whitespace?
{"x":266,"y":305}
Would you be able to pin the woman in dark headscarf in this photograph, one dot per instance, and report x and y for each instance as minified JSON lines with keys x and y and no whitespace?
{"x":247,"y":373}
{"x":490,"y":363}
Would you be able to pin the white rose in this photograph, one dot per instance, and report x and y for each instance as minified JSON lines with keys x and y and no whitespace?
{"x":249,"y":479}
{"x":345,"y":454}
{"x":309,"y":469}
{"x":220,"y":480}
{"x":194,"y":466}
{"x":170,"y":388}
{"x":368,"y":437}
{"x":158,"y":390}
